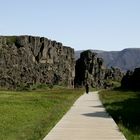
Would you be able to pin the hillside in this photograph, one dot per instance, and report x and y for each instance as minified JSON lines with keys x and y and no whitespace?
{"x":127,"y":59}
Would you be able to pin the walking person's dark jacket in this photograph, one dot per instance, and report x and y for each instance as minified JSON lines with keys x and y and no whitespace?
{"x":87,"y":88}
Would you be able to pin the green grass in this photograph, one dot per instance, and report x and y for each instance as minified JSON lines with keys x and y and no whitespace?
{"x":124,"y":107}
{"x":31,"y":115}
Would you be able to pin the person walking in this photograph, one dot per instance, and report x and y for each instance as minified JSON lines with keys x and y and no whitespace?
{"x":87,"y":88}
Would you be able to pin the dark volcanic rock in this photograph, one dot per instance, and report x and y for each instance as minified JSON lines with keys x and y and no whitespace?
{"x":114,"y":74}
{"x":29,"y":60}
{"x":131,"y":80}
{"x":89,"y":69}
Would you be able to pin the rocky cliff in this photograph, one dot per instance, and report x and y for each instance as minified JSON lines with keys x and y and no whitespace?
{"x":89,"y":69}
{"x":30,"y":60}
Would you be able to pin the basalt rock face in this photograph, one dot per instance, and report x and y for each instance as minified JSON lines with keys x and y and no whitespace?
{"x":114,"y":74}
{"x":29,"y":60}
{"x":131,"y":80}
{"x":89,"y":69}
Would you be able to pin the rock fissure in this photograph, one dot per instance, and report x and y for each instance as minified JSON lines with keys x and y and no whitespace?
{"x":28,"y":60}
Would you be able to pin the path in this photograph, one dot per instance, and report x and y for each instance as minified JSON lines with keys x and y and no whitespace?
{"x":86,"y":120}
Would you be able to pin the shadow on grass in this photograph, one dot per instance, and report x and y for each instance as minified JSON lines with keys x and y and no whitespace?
{"x":125,"y":90}
{"x":126,"y":112}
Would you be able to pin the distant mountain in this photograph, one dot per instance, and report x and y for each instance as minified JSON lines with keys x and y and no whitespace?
{"x":127,"y":59}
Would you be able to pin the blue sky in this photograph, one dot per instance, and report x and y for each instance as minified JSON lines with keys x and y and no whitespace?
{"x":81,"y":24}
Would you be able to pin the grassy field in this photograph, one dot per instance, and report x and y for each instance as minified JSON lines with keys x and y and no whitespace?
{"x":31,"y":115}
{"x":124,"y":107}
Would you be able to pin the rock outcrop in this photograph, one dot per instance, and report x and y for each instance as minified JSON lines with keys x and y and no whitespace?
{"x":131,"y":80}
{"x":30,"y":60}
{"x":127,"y":59}
{"x":114,"y":74}
{"x":89,"y":69}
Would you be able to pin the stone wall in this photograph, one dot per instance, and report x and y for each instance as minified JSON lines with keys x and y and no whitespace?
{"x":30,"y":60}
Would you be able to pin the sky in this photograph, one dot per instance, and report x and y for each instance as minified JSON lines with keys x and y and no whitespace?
{"x":81,"y":24}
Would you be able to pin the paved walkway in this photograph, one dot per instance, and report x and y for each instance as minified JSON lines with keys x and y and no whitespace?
{"x":86,"y":120}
